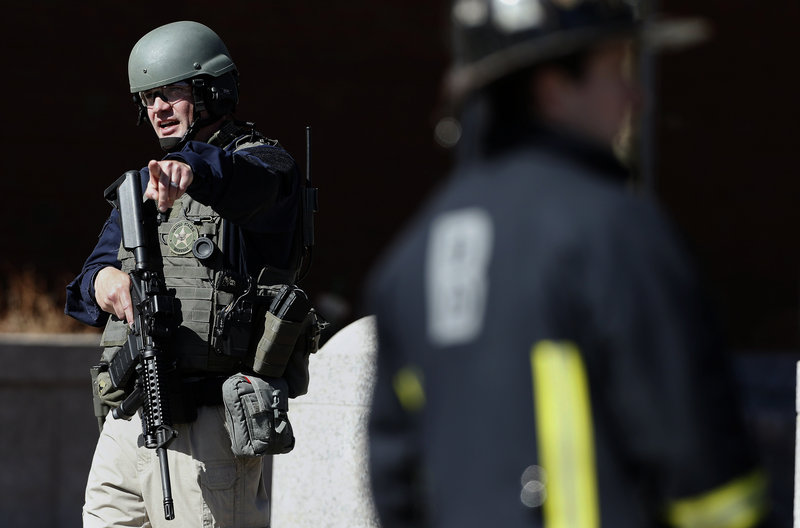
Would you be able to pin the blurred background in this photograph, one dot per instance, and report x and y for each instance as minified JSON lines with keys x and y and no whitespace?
{"x":365,"y":76}
{"x":721,"y":143}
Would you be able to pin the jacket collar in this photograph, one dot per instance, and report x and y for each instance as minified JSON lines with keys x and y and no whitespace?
{"x":591,"y":155}
{"x":558,"y":142}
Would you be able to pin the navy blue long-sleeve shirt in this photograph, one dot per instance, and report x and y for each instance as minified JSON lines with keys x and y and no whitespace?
{"x":255,"y":189}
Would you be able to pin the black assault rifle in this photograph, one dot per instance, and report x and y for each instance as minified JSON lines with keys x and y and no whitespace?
{"x":144,"y":362}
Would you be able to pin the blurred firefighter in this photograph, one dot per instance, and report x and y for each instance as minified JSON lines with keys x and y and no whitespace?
{"x":547,"y":356}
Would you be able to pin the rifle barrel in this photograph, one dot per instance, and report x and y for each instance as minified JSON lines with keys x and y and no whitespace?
{"x":166,"y":488}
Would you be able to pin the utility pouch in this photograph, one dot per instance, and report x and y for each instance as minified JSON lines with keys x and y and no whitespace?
{"x":104,"y":396}
{"x":284,"y":322}
{"x":256,"y":415}
{"x":296,"y":373}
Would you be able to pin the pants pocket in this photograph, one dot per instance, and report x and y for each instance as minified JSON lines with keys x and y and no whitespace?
{"x":217,"y":482}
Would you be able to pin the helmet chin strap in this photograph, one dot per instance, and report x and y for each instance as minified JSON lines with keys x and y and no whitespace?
{"x":173,"y":144}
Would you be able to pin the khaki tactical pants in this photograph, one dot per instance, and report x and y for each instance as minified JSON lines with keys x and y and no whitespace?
{"x":210,"y":486}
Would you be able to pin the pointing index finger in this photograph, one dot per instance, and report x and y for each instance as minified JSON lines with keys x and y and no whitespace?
{"x":155,"y":175}
{"x":161,"y":181}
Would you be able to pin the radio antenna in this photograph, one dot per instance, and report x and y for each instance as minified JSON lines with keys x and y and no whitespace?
{"x":310,"y":206}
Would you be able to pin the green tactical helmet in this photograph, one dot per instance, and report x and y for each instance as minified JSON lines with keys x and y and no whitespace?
{"x":176,"y":52}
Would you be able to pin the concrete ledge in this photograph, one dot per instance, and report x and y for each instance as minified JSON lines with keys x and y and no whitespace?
{"x":76,"y":340}
{"x":49,"y":431}
{"x":58,"y":360}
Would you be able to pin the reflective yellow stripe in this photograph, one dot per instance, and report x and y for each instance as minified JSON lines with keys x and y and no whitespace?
{"x":407,"y":384}
{"x":740,"y":503}
{"x":565,"y":436}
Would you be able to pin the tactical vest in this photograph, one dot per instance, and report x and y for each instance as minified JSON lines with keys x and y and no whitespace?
{"x":196,"y":282}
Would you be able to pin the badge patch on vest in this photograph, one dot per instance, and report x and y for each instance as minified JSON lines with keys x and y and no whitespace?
{"x":181,"y":237}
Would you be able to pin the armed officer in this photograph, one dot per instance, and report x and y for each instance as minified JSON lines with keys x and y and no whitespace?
{"x":546,"y":355}
{"x":222,"y":182}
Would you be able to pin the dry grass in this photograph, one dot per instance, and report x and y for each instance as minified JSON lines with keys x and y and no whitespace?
{"x":29,"y":303}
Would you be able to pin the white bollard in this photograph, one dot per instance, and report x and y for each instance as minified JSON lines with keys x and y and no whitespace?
{"x":797,"y":452}
{"x":324,"y":481}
